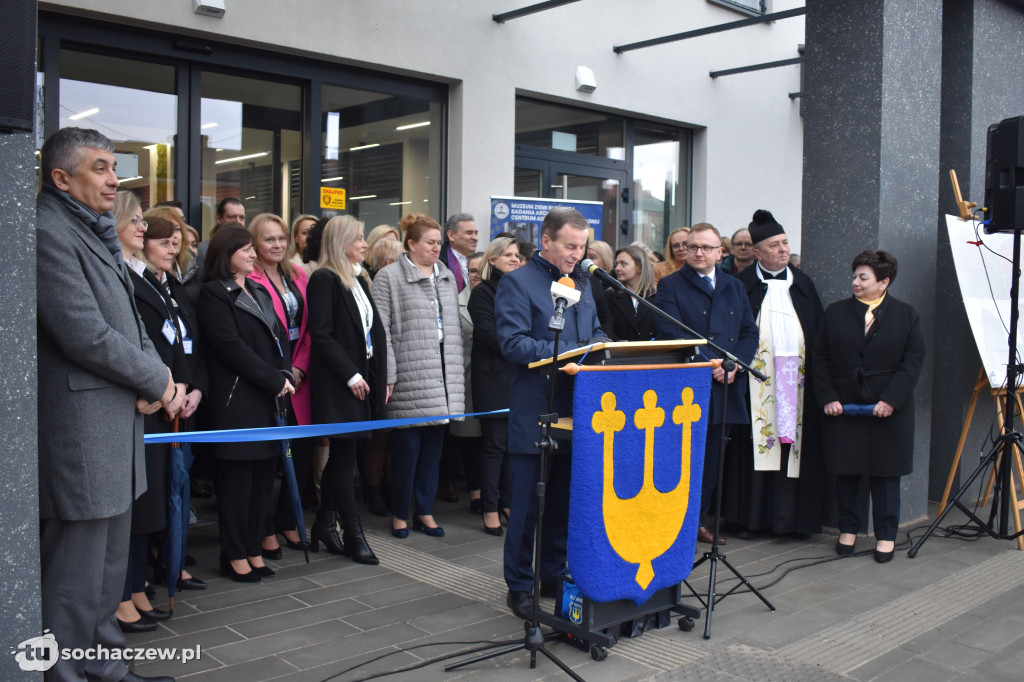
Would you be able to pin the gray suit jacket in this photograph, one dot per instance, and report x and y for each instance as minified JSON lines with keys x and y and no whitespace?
{"x":95,"y":360}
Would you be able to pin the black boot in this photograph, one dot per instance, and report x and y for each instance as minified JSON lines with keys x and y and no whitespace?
{"x":355,"y":543}
{"x":325,"y":530}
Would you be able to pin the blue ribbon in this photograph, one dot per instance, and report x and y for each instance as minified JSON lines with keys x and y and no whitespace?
{"x":291,"y":432}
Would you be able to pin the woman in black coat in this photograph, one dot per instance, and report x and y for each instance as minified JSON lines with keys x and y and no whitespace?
{"x":349,"y":361}
{"x":149,"y":511}
{"x":247,"y":359}
{"x":868,"y":352}
{"x":491,"y":377}
{"x":631,"y":320}
{"x":171,"y":324}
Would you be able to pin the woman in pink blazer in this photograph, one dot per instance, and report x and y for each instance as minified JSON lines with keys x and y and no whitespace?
{"x":287,"y":286}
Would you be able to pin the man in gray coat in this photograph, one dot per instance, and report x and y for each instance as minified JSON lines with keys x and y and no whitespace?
{"x":98,"y":374}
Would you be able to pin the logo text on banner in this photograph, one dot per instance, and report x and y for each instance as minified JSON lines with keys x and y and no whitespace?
{"x":638,"y":442}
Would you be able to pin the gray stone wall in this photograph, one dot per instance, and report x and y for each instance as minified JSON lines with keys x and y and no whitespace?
{"x":982,"y":83}
{"x":871,"y":162}
{"x":20,"y":616}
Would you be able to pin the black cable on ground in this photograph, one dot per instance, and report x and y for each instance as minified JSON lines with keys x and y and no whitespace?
{"x":486,"y":644}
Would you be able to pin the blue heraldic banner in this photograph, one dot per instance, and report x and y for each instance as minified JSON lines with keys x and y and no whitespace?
{"x":637,"y":464}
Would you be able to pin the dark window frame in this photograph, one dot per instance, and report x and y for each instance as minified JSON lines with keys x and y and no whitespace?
{"x":193,"y":55}
{"x":742,"y":8}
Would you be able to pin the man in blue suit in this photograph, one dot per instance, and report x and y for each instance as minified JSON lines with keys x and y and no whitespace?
{"x":715,"y":305}
{"x":523,"y":307}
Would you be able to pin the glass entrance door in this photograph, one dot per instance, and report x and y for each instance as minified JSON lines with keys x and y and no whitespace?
{"x":572,"y":183}
{"x":251,"y":145}
{"x":579,"y":182}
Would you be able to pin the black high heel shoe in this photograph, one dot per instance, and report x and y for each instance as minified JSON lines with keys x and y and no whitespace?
{"x":435,"y":532}
{"x":291,"y":544}
{"x":154,"y":615}
{"x":228,"y":571}
{"x":136,"y":626}
{"x":496,"y":531}
{"x":844,"y":550}
{"x":272,"y":554}
{"x":263,"y":571}
{"x":324,"y":530}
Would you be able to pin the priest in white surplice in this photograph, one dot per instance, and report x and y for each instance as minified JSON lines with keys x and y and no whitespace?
{"x":776,"y":483}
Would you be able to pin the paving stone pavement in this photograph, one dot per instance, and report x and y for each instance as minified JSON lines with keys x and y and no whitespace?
{"x":955,"y":612}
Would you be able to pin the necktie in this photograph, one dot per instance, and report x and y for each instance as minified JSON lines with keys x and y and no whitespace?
{"x":711,"y":282}
{"x":456,"y":269}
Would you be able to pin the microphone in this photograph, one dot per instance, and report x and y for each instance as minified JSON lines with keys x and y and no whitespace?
{"x":564,"y":295}
{"x":592,"y":268}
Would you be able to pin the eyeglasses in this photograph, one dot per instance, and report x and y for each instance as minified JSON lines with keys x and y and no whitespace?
{"x":706,"y":249}
{"x":138,"y":221}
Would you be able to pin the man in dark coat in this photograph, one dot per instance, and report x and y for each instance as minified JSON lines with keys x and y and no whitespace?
{"x":460,"y":239}
{"x":776,"y":480}
{"x":714,"y":305}
{"x":98,"y":374}
{"x":523,"y":307}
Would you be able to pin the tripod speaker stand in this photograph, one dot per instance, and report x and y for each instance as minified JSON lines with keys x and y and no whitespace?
{"x":1002,"y":453}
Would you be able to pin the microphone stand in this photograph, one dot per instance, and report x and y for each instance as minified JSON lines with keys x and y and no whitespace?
{"x":534,"y":638}
{"x":714,"y":555}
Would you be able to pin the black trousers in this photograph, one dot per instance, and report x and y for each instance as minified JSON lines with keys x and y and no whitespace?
{"x":709,"y":484}
{"x":135,"y":581}
{"x":495,"y":479}
{"x":336,"y":485}
{"x":885,"y":504}
{"x":244,"y":488}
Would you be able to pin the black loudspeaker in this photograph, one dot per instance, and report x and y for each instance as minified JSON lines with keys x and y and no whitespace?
{"x":1004,"y":176}
{"x":17,"y":64}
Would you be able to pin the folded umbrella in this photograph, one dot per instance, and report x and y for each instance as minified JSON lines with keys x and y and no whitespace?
{"x":289,"y":483}
{"x":179,"y":500}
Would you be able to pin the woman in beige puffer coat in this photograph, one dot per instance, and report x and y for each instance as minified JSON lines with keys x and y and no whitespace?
{"x":418,"y":304}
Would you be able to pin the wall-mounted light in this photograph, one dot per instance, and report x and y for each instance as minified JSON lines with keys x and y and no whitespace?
{"x":585,"y":80}
{"x":364,"y":146}
{"x":413,"y":125}
{"x":209,"y":8}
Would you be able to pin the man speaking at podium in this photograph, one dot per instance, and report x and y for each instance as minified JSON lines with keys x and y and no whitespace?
{"x":523,"y":308}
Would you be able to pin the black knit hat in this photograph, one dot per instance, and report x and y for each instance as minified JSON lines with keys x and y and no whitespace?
{"x":763,"y":226}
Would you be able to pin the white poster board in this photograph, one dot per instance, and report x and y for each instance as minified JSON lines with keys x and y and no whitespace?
{"x":985,"y":280}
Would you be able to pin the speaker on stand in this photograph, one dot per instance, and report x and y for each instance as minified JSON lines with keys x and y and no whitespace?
{"x":17,"y":65}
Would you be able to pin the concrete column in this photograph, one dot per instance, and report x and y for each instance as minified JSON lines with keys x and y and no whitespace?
{"x":982,"y":83}
{"x":871,"y":163}
{"x":19,"y":505}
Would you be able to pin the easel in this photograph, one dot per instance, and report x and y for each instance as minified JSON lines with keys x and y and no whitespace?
{"x":1016,"y":503}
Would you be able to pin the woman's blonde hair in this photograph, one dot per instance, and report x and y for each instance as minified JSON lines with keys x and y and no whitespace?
{"x":378,"y":255}
{"x":340,"y":233}
{"x":293,"y":245}
{"x":668,"y":247}
{"x":494,"y":250}
{"x":125,"y":206}
{"x":378,"y":233}
{"x":644,"y":285}
{"x":604,"y":250}
{"x":256,"y":226}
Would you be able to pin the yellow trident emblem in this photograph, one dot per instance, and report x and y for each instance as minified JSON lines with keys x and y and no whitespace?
{"x":642,"y":528}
